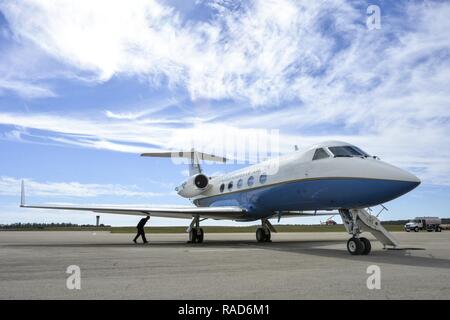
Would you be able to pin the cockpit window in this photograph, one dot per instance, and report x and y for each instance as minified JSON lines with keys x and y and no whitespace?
{"x":365,"y":154}
{"x":320,"y":154}
{"x":347,"y":151}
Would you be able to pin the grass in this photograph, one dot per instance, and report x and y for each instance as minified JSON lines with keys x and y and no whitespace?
{"x":249,"y":229}
{"x":207,"y":229}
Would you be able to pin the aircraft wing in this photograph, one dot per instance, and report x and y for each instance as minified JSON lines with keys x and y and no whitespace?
{"x":226,"y":213}
{"x":229,"y":213}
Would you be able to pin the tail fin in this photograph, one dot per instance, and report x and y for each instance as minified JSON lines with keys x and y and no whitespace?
{"x":194,"y":156}
{"x":22,"y":194}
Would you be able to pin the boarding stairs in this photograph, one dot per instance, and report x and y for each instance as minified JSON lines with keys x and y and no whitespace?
{"x":358,"y":220}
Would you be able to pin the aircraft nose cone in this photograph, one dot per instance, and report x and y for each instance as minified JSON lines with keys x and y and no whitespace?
{"x":408,"y":180}
{"x":391,"y":172}
{"x":413,"y":183}
{"x":400,"y":181}
{"x":416,"y":179}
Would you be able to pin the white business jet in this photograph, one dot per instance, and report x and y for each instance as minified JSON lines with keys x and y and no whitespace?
{"x":329,"y":176}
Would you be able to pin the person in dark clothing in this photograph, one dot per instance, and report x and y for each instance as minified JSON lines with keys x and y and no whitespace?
{"x":140,"y":230}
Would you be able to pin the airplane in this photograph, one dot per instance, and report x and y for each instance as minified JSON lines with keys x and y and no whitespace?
{"x":332,"y":175}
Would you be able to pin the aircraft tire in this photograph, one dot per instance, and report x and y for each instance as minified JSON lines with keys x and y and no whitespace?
{"x":260,"y":235}
{"x":267,"y":236}
{"x":193,"y":235}
{"x":355,"y":246}
{"x":200,"y":235}
{"x":367,"y":246}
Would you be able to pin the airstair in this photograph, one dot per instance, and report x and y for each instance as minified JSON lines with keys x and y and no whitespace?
{"x":359,"y":220}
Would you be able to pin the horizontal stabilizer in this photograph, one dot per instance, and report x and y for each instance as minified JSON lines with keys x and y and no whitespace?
{"x":186,"y":154}
{"x":193,"y":156}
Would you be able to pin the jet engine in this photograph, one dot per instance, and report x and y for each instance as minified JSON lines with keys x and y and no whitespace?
{"x":193,"y":186}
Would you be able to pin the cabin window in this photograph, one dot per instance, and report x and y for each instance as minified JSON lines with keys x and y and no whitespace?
{"x":250,"y":181}
{"x":222,"y":187}
{"x":240,"y":183}
{"x":320,"y":154}
{"x":346,"y":151}
{"x":230,"y":185}
{"x":263,"y":178}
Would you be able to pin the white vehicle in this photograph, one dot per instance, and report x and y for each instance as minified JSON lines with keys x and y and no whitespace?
{"x":329,"y":176}
{"x":424,"y":223}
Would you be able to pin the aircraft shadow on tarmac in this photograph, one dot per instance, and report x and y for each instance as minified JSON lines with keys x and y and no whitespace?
{"x":397,"y":257}
{"x":310,"y":247}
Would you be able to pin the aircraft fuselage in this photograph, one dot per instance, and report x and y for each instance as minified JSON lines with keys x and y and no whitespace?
{"x":296,"y":182}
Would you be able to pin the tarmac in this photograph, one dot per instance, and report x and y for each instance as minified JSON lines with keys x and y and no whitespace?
{"x":33,"y":265}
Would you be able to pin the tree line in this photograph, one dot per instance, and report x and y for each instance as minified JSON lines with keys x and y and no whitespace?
{"x":35,"y":225}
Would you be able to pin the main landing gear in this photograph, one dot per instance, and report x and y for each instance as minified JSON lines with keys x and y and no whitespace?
{"x":195,"y":232}
{"x":196,"y":235}
{"x":263,"y":233}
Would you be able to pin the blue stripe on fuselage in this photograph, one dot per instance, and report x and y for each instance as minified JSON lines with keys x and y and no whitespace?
{"x":314,"y":194}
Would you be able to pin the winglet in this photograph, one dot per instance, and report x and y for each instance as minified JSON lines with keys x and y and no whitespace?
{"x":22,"y":194}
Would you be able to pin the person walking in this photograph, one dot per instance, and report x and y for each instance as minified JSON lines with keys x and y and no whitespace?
{"x":140,"y":230}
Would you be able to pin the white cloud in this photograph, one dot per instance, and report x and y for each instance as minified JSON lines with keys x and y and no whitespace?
{"x":248,"y":53}
{"x":265,"y":52}
{"x":386,"y":90}
{"x":393,"y":144}
{"x":25,"y":89}
{"x":10,"y":186}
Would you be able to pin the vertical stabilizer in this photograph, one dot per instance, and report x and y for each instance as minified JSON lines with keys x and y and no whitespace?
{"x":194,"y":166}
{"x":22,"y":194}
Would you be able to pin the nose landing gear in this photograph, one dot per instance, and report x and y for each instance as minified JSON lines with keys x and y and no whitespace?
{"x":358,"y":220}
{"x":359,"y":246}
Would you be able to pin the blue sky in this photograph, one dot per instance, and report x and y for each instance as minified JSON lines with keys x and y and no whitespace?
{"x":86,"y":86}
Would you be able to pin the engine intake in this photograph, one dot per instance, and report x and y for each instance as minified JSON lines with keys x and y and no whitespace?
{"x":201,"y":181}
{"x":193,"y":186}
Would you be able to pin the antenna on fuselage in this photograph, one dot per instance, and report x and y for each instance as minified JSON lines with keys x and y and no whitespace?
{"x":296,"y":148}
